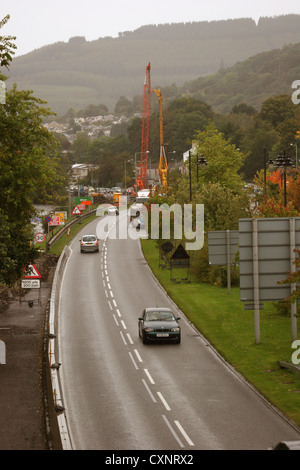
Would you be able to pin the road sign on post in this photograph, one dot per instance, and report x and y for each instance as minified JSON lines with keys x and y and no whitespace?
{"x":76,"y":211}
{"x":39,"y":237}
{"x":83,"y":200}
{"x":267,"y":253}
{"x":31,"y":272}
{"x":54,"y":221}
{"x":30,"y":283}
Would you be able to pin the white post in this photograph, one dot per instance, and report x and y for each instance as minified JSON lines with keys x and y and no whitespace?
{"x":293,"y":269}
{"x":255,"y":281}
{"x":228,"y":261}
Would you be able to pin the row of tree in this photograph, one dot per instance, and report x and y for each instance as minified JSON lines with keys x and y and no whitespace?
{"x":29,"y":168}
{"x":273,"y":129}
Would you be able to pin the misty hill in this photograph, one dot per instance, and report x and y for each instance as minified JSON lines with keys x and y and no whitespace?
{"x":77,"y":73}
{"x":251,"y":81}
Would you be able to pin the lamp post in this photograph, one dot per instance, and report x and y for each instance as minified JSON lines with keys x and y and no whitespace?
{"x":126,"y":161}
{"x":285,"y":163}
{"x":200,"y":162}
{"x":267,"y":164}
{"x":296,"y":162}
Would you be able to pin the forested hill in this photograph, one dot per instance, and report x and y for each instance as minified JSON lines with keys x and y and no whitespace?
{"x":77,"y":73}
{"x":251,"y":81}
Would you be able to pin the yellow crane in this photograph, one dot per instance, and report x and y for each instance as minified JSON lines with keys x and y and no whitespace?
{"x":163,"y":164}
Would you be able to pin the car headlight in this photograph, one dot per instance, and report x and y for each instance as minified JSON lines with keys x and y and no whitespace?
{"x":149,"y":329}
{"x":175,"y":329}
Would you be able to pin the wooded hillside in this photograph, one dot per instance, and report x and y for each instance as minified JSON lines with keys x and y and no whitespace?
{"x":79,"y":73}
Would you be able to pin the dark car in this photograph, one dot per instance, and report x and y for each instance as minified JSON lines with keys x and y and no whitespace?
{"x":89,"y":243}
{"x":159,"y":324}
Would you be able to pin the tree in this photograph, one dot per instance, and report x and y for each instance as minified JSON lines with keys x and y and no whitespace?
{"x":123,"y":106}
{"x":276,"y":110}
{"x":80,"y":147}
{"x":219,"y":185}
{"x":294,"y":278}
{"x":223,"y":160}
{"x":271,"y":207}
{"x":261,"y":136}
{"x":293,"y":191}
{"x":7,"y":47}
{"x":28,"y":162}
{"x":223,"y":207}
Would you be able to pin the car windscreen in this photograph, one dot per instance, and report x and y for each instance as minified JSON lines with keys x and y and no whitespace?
{"x":89,"y":238}
{"x":159,"y":316}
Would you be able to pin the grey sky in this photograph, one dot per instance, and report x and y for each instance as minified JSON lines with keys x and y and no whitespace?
{"x":37,"y":23}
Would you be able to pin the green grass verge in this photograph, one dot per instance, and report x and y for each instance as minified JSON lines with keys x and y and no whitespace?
{"x":221,"y":318}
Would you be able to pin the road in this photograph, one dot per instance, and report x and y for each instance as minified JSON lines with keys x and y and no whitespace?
{"x":122,"y":395}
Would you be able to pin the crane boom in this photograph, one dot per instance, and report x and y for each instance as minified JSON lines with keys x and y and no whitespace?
{"x":163,"y":164}
{"x":142,"y":177}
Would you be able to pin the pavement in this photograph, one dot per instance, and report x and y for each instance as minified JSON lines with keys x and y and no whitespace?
{"x":22,"y":411}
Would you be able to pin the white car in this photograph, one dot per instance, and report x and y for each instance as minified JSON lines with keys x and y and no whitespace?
{"x":89,"y":243}
{"x":112,"y":210}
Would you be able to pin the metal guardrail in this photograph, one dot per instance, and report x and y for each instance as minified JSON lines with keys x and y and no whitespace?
{"x":52,"y":356}
{"x":64,"y":229}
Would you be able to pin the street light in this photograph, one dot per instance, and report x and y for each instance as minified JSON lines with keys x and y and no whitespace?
{"x":286,"y":164}
{"x":296,"y":163}
{"x":200,"y":162}
{"x":269,"y":164}
{"x":126,"y":161}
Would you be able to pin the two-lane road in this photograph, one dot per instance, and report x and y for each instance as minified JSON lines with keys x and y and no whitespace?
{"x":122,"y":395}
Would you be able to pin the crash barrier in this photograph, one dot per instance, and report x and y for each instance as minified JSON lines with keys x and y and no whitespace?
{"x":54,"y":365}
{"x":65,"y":228}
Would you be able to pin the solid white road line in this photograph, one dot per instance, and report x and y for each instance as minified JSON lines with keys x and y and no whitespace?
{"x":164,"y":401}
{"x":123,"y":338}
{"x":129,"y":338}
{"x":149,"y":376}
{"x":138,"y":355}
{"x":149,"y":391}
{"x":189,"y":441}
{"x":172,"y":431}
{"x":133,"y":361}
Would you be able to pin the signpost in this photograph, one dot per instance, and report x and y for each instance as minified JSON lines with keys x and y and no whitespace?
{"x":83,"y":200}
{"x":39,"y":237}
{"x":76,"y":211}
{"x":222,"y":248}
{"x":31,"y":280}
{"x":54,"y":221}
{"x":30,"y":283}
{"x":31,"y":272}
{"x":267,"y":254}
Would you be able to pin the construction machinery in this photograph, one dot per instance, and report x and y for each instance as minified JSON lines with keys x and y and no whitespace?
{"x":163,"y":164}
{"x":141,"y":180}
